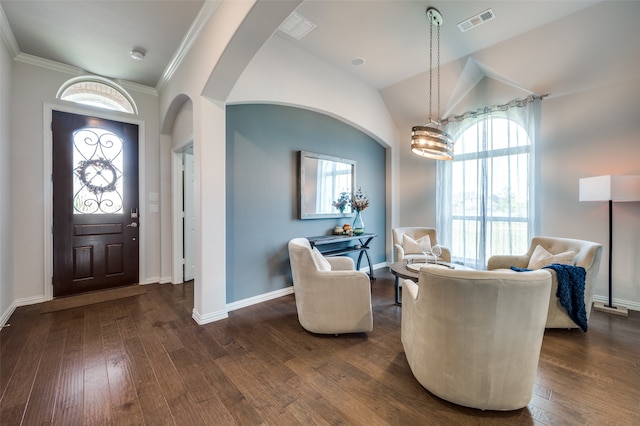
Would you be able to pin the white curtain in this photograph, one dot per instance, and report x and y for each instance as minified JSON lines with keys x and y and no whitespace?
{"x":486,"y":197}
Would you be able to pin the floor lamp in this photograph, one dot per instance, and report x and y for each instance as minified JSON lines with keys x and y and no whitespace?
{"x":610,"y":188}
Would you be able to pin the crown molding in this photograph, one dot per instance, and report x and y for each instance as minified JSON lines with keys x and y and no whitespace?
{"x":137,"y":87}
{"x":7,"y":34}
{"x":207,"y":10}
{"x":49,"y":64}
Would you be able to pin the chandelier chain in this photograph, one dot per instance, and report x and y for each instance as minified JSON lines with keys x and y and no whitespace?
{"x":438,"y":68}
{"x":430,"y":69}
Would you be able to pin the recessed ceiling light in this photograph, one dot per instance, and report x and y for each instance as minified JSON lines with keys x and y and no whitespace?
{"x":138,"y":54}
{"x":358,"y":61}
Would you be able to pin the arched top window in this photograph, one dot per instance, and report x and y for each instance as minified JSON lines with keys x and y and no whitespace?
{"x":486,"y":198}
{"x":99,"y":92}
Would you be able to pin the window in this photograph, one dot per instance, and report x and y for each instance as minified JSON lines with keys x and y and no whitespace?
{"x":98,"y":185}
{"x":487,"y":205}
{"x":99,"y":92}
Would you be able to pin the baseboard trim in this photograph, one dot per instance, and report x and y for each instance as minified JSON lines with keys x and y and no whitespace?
{"x":25,"y":301}
{"x":259,"y":299}
{"x":7,"y":314}
{"x":211,"y":317}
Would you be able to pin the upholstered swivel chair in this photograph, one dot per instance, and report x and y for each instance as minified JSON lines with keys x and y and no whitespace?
{"x":331,"y":296}
{"x":586,"y":254}
{"x":474,"y":337}
{"x":403,"y":250}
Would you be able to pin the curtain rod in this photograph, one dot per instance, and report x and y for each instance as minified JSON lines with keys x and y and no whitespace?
{"x":516,"y":103}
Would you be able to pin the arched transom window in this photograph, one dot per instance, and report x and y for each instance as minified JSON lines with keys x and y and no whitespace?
{"x":99,"y":92}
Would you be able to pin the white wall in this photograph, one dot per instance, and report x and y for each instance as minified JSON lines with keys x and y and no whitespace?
{"x":6,"y":233}
{"x":585,"y":134}
{"x":35,"y":86}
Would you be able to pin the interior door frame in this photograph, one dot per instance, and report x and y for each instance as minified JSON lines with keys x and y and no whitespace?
{"x":177,"y":193}
{"x":47,"y":115}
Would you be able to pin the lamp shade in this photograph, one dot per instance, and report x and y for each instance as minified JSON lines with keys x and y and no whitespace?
{"x":610,"y":187}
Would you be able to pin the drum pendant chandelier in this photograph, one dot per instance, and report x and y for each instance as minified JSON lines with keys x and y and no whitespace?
{"x":430,"y":140}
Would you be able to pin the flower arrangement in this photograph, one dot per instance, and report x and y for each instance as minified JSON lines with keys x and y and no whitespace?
{"x":359,"y":201}
{"x":342,"y":202}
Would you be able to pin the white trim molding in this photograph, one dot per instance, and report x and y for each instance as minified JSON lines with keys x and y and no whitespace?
{"x":205,"y":13}
{"x":206,"y":319}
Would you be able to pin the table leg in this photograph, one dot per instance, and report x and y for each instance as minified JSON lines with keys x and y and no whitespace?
{"x":398,"y":300}
{"x":366,"y":253}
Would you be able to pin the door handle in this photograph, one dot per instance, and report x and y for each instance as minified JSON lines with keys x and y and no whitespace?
{"x":133,"y":225}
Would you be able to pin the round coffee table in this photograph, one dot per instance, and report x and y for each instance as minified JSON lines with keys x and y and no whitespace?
{"x":412,"y":272}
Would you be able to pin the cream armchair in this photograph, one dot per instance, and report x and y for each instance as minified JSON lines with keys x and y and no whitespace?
{"x":399,"y":243}
{"x":587,"y":254}
{"x":474,"y":337}
{"x":331,"y":296}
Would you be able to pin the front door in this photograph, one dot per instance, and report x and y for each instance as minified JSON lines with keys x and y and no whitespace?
{"x":95,"y":203}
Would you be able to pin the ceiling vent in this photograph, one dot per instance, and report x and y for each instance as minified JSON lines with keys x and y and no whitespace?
{"x":474,"y":21}
{"x":297,"y":26}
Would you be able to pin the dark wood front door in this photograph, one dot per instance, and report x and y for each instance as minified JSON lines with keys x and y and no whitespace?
{"x":95,"y":203}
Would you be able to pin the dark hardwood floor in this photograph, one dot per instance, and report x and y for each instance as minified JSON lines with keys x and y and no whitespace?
{"x":143,"y":360}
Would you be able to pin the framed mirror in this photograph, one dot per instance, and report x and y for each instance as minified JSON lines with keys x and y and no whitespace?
{"x":322,"y":179}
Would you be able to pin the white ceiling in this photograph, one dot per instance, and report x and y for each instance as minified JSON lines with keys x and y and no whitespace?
{"x":540,"y":46}
{"x":97,"y":36}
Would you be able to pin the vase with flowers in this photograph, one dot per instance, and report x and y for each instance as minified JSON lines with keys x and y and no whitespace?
{"x":358,"y":203}
{"x":342,"y":202}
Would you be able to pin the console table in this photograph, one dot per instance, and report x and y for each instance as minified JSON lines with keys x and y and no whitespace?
{"x":330,"y":245}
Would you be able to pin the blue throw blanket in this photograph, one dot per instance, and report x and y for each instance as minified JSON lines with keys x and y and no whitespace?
{"x":571,"y":280}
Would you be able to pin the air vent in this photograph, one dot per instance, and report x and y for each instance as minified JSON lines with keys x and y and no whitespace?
{"x":474,"y":21}
{"x":297,"y":26}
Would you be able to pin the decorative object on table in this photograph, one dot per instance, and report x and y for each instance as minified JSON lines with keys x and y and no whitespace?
{"x":359,"y":202}
{"x":346,"y":229}
{"x":342,"y":202}
{"x":430,"y":140}
{"x":416,"y":266}
{"x":338,"y":230}
{"x":436,"y":252}
{"x":358,"y":224}
{"x":610,"y":188}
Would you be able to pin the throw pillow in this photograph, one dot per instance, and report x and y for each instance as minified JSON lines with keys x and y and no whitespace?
{"x":542,"y":257}
{"x":321,"y":263}
{"x":412,"y":246}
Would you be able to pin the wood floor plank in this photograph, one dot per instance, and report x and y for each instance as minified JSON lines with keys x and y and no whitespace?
{"x":69,"y":401}
{"x":20,"y":383}
{"x":44,"y":391}
{"x":96,"y":398}
{"x":125,"y":405}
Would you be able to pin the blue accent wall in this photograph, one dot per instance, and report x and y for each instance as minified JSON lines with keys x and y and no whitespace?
{"x":262,"y":148}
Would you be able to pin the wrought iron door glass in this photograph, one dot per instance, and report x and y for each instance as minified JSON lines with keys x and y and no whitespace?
{"x":98,"y":172}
